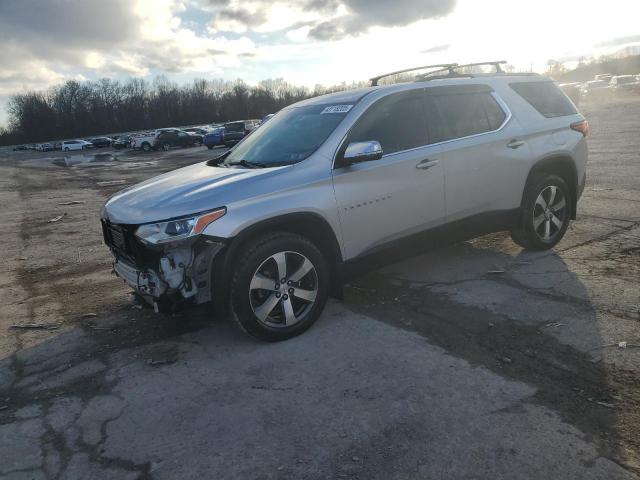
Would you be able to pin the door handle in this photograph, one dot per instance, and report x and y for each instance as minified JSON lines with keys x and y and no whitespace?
{"x":426,"y":164}
{"x":515,"y":143}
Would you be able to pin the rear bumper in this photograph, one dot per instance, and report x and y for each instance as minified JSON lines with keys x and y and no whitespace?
{"x":581,"y":185}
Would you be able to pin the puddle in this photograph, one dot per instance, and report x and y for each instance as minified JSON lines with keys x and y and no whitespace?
{"x":95,"y":160}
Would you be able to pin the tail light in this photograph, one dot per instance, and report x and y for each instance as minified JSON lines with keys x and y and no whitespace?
{"x":582,"y":127}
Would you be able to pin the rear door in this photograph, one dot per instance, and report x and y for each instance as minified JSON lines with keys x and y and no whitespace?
{"x":383,"y":200}
{"x":482,"y":149}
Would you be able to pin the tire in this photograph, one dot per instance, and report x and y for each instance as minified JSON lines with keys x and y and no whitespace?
{"x":146,"y":147}
{"x":273,"y":310}
{"x":166,"y":147}
{"x":66,"y":149}
{"x":209,"y":147}
{"x":542,"y":225}
{"x":197,"y":143}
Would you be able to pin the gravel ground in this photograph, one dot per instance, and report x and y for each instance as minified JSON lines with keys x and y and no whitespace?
{"x":432,"y":367}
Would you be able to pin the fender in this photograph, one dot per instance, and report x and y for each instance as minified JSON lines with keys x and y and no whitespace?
{"x":309,"y":224}
{"x":563,"y":165}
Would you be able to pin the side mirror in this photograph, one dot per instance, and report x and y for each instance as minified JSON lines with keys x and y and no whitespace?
{"x":357,"y":152}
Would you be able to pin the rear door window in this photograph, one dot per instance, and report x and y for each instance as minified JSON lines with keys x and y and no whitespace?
{"x":546,"y":98}
{"x":461,"y":115}
{"x":396,"y":121}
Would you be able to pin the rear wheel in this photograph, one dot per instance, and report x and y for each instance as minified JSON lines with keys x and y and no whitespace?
{"x":146,"y":147}
{"x":166,"y":147}
{"x":197,"y":143}
{"x":546,"y":213}
{"x":280,"y":287}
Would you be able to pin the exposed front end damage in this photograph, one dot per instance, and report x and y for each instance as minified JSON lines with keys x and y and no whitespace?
{"x":163,"y":274}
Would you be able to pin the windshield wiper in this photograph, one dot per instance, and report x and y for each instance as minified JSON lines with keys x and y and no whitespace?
{"x":247,"y":164}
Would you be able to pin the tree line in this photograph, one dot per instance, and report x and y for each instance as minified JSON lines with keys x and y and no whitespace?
{"x":82,"y":109}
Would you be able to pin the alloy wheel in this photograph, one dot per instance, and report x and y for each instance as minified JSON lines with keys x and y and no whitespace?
{"x":549,"y":213}
{"x":283,"y":289}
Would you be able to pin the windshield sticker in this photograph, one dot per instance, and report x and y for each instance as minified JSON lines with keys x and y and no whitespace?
{"x":337,"y":109}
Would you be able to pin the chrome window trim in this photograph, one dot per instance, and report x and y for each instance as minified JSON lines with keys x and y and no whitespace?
{"x":501,"y":103}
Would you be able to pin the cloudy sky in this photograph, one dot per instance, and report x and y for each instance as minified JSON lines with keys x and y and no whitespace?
{"x":45,"y":42}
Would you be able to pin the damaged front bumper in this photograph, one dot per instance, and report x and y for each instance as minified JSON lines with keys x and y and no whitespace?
{"x":178,"y":271}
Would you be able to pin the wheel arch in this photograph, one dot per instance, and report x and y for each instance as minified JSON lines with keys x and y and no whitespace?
{"x":562,"y":165}
{"x":308,"y":224}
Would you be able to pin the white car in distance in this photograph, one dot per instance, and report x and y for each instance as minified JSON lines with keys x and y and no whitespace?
{"x":75,"y":145}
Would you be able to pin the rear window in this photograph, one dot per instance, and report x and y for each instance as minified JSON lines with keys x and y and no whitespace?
{"x":234,"y":127}
{"x":546,"y":98}
{"x":465,"y":114}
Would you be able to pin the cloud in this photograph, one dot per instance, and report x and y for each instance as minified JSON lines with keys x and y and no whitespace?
{"x":364,"y":14}
{"x":437,"y":48}
{"x":48,"y":42}
{"x":614,"y":42}
{"x":325,"y":19}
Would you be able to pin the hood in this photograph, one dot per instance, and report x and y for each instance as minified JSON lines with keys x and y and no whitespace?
{"x":185,"y":191}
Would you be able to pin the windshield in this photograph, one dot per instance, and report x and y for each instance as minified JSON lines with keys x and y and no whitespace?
{"x":290,"y":136}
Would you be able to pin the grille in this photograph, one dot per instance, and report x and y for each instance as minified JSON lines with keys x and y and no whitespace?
{"x":122,"y":241}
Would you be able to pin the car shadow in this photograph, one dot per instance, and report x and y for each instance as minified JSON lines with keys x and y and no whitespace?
{"x":523,"y":315}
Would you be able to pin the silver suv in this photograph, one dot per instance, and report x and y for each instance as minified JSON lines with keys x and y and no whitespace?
{"x":273,"y":226}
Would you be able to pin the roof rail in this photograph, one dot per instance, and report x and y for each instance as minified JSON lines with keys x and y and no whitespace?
{"x":443,"y":66}
{"x":451,"y":69}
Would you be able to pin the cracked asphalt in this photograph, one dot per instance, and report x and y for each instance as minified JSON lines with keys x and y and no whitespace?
{"x":473,"y":361}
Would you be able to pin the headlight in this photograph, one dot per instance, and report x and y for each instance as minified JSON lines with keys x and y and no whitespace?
{"x":175,"y":230}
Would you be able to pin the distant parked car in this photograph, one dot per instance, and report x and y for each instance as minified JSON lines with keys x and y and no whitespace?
{"x":166,"y":140}
{"x":44,"y":147}
{"x":18,"y":148}
{"x":572,"y":90}
{"x":236,"y":131}
{"x":197,"y":130}
{"x":625,"y":84}
{"x":596,"y":90}
{"x":145,"y":141}
{"x":100,"y":142}
{"x":214,"y":138}
{"x":123,"y":141}
{"x":76,"y":145}
{"x":604,"y":76}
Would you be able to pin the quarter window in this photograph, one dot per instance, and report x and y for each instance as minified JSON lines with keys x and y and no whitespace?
{"x":464,"y":114}
{"x":546,"y":98}
{"x":396,"y":121}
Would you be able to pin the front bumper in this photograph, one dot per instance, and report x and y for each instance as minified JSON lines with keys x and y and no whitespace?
{"x":183,"y":271}
{"x":144,"y":282}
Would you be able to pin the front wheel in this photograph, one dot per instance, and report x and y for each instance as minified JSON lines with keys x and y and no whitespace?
{"x":146,"y":147}
{"x":546,"y":213}
{"x":280,"y":286}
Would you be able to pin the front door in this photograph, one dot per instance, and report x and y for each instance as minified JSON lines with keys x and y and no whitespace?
{"x":403,"y":193}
